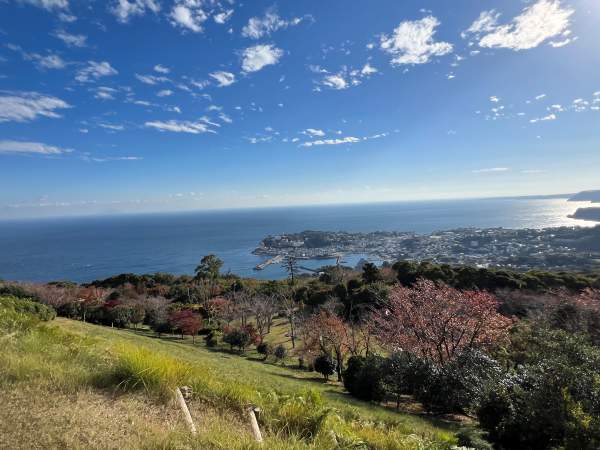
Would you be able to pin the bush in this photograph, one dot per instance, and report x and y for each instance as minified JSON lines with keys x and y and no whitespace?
{"x":553,"y":400}
{"x":237,"y":337}
{"x":473,"y":438}
{"x":28,"y":306}
{"x":280,"y":352}
{"x":324,"y":365}
{"x":459,"y":385}
{"x":264,"y":349}
{"x":363,"y":377}
{"x":211,"y":339}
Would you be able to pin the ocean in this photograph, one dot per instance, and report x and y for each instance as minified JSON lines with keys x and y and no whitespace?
{"x":89,"y":248}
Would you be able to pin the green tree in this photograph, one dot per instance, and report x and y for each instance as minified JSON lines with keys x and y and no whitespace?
{"x":209,"y":268}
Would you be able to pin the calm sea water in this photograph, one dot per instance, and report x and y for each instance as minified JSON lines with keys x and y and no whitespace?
{"x":84,"y":249}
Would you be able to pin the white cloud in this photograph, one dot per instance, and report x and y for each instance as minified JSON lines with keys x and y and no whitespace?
{"x":223,"y":17}
{"x":258,"y":27}
{"x":105,"y":93}
{"x":151,"y":79}
{"x":259,"y":56}
{"x":337,"y":82}
{"x":412,"y":42}
{"x":68,"y":18}
{"x":27,"y":106}
{"x":161,"y":69}
{"x":72,"y":40}
{"x":125,"y":9}
{"x":225,"y":118}
{"x":188,"y":17}
{"x":176,"y":126}
{"x":49,"y":61}
{"x":346,"y":140}
{"x":223,"y":78}
{"x":492,"y":170}
{"x":313,"y":132}
{"x":111,"y":126}
{"x":21,"y":147}
{"x":541,"y":96}
{"x":164,"y":93}
{"x":48,"y":4}
{"x":95,"y":70}
{"x":368,"y":70}
{"x":494,"y":99}
{"x":544,"y":20}
{"x":544,"y":119}
{"x":485,"y":23}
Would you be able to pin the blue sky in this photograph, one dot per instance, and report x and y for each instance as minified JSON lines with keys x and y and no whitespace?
{"x":160,"y":105}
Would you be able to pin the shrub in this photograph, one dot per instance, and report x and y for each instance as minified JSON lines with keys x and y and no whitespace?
{"x":553,"y":400}
{"x":324,"y":365}
{"x":473,"y":438}
{"x":264,"y":349}
{"x":28,"y":306}
{"x":237,"y":337}
{"x":280,"y":352}
{"x":211,"y":338}
{"x":459,"y":385}
{"x":363,"y":377}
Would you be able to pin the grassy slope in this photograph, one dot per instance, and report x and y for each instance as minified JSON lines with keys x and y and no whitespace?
{"x":250,"y":369}
{"x":57,"y":391}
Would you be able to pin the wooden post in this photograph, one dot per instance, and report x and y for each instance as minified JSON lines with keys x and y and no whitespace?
{"x":186,"y":411}
{"x":254,"y":424}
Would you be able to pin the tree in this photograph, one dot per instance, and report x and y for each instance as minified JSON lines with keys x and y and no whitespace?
{"x":289,"y":308}
{"x":237,"y":337}
{"x":290,"y":264}
{"x":138,"y":314}
{"x":207,"y":273}
{"x":263,"y":307}
{"x":363,"y":377}
{"x":438,"y":322}
{"x":371,"y":273}
{"x":187,"y":322}
{"x":326,"y":333}
{"x":209,"y":267}
{"x":90,"y":299}
{"x":325,"y":366}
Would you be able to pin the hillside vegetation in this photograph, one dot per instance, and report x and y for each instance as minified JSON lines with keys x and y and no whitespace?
{"x":409,"y":356}
{"x":73,"y":385}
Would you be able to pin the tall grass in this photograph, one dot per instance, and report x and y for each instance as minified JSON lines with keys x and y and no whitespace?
{"x":55,"y":359}
{"x":302,"y":418}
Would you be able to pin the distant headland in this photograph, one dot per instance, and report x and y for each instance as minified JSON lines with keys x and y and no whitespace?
{"x":592,"y":213}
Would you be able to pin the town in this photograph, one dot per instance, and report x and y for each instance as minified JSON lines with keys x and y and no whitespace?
{"x":564,"y":248}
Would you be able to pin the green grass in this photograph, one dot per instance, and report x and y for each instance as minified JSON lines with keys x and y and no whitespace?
{"x":76,"y":385}
{"x":250,"y":369}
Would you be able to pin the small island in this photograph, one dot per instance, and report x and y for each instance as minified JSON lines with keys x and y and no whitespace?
{"x":591,"y":214}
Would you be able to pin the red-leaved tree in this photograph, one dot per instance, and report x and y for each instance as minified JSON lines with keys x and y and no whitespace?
{"x":438,"y":322}
{"x":187,"y":322}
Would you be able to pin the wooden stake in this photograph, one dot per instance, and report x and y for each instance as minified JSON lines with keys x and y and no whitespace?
{"x":254,"y":424}
{"x":186,"y":411}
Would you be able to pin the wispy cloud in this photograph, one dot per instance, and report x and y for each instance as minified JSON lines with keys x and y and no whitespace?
{"x":538,"y":23}
{"x":27,"y":106}
{"x":183,"y":126}
{"x":151,"y":79}
{"x":124,"y":10}
{"x":492,"y":170}
{"x":340,"y":141}
{"x":258,"y":27}
{"x":30,"y":148}
{"x":223,"y":78}
{"x":72,"y":40}
{"x":95,"y":70}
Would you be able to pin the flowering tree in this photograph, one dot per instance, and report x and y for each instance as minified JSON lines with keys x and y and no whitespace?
{"x":438,"y":322}
{"x":325,"y":333}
